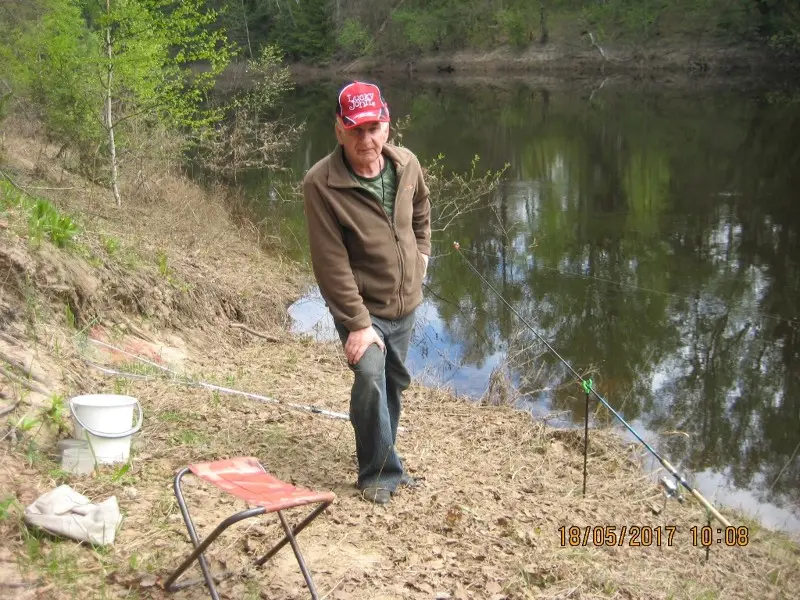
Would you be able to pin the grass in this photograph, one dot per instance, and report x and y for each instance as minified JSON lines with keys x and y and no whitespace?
{"x":110,"y":244}
{"x":163,"y":263}
{"x":43,"y":219}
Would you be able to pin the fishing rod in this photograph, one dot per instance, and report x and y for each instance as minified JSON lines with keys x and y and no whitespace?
{"x":209,"y":386}
{"x":588,"y":388}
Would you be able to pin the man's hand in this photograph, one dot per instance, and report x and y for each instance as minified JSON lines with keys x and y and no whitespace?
{"x":358,"y":341}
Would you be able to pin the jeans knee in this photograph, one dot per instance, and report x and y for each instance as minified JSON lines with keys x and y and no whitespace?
{"x":372,"y":364}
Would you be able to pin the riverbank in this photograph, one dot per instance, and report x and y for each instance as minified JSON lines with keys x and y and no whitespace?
{"x":584,"y":58}
{"x":173,"y":276}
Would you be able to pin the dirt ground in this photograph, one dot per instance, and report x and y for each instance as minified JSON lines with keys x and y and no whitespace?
{"x":499,"y":491}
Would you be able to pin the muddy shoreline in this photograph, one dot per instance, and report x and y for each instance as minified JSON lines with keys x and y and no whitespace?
{"x":653,"y":62}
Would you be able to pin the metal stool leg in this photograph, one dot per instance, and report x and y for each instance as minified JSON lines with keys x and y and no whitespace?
{"x":298,"y":528}
{"x":299,"y":556}
{"x":200,"y":547}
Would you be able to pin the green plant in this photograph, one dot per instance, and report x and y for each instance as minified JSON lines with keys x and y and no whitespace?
{"x":163,"y":266}
{"x":110,"y":244}
{"x":33,"y":453}
{"x":121,"y":386}
{"x":8,"y":507}
{"x":27,"y":422}
{"x":354,"y":39}
{"x":59,"y":475}
{"x":190,"y":437}
{"x":459,"y":193}
{"x":56,"y":413}
{"x":170,"y":416}
{"x":514,"y":25}
{"x":100,"y":71}
{"x":69,"y":316}
{"x":120,"y":472}
{"x":45,"y":219}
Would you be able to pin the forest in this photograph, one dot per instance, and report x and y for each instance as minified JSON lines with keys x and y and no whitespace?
{"x":321,"y":30}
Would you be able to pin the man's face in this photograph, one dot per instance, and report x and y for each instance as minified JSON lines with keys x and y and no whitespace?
{"x":363,"y":144}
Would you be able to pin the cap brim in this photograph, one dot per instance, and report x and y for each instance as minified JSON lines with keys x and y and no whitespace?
{"x":368,"y":116}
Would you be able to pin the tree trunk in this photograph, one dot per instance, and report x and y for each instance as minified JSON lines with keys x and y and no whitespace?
{"x":543,"y":33}
{"x":247,"y":30}
{"x":109,"y":120}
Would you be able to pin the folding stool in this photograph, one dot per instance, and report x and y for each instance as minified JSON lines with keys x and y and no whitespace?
{"x":245,"y":478}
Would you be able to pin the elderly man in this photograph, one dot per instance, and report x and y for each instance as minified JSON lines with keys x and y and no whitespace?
{"x":368,"y":217}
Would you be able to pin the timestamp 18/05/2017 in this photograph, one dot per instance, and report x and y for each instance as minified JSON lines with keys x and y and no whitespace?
{"x":650,"y":535}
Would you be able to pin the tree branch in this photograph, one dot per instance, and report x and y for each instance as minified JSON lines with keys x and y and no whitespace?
{"x":269,"y":338}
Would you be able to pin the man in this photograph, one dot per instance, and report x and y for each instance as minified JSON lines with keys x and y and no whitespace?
{"x":368,"y":217}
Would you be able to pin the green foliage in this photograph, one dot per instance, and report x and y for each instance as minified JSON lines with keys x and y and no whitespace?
{"x":161,"y":63}
{"x":248,"y":139}
{"x":516,"y":26}
{"x":271,"y":81}
{"x":163,"y":263}
{"x":425,"y":31}
{"x":354,"y":40}
{"x":44,"y":220}
{"x":304,"y":30}
{"x":636,"y":20}
{"x":309,"y":30}
{"x":8,"y":507}
{"x":57,"y":413}
{"x":52,"y":60}
{"x":787,"y":42}
{"x":110,"y":244}
{"x":459,"y":193}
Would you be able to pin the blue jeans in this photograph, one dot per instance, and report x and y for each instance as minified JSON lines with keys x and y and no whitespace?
{"x":375,"y":401}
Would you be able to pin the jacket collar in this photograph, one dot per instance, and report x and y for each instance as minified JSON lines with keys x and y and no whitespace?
{"x":339,"y":175}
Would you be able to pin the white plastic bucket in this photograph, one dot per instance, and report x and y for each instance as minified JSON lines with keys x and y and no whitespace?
{"x":106,"y":421}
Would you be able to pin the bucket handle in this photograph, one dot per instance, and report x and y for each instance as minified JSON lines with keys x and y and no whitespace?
{"x":101,"y":434}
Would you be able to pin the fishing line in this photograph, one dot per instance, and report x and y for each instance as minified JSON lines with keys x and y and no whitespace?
{"x":177,"y":378}
{"x":589,"y":389}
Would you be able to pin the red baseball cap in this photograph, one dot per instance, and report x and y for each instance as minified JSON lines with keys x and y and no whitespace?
{"x":360,"y":103}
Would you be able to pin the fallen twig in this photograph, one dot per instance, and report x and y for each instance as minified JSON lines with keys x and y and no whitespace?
{"x":31,"y":385}
{"x":9,"y":409}
{"x":24,"y":188}
{"x":269,"y":338}
{"x":21,"y":367}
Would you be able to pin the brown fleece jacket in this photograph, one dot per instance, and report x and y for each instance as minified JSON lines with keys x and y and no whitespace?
{"x":365,"y":263}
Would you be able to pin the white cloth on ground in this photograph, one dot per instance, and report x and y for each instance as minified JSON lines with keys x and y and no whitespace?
{"x":65,"y":512}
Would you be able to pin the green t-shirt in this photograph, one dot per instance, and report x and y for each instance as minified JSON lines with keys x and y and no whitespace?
{"x":383,"y":186}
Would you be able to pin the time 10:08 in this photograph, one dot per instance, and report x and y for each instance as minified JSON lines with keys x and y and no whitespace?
{"x":730,"y":536}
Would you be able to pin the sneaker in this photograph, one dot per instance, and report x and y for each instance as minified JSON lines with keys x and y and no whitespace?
{"x":375,"y":494}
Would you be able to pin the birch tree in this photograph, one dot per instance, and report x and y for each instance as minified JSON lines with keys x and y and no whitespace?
{"x":97,"y":67}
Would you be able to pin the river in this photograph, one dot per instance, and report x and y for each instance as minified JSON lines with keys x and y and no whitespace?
{"x":649,"y":232}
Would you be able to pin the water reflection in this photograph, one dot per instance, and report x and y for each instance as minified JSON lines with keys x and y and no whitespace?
{"x":652,"y":237}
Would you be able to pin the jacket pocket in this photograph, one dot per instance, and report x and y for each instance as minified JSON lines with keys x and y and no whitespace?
{"x":420,"y":269}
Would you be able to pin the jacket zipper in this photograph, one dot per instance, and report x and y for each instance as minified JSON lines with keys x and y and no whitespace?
{"x":399,"y":255}
{"x":396,"y":245}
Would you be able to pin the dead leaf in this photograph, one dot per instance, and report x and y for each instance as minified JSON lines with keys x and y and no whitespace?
{"x":493,"y":587}
{"x":461,"y":593}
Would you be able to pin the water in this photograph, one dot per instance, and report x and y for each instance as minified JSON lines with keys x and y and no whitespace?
{"x":649,"y":232}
